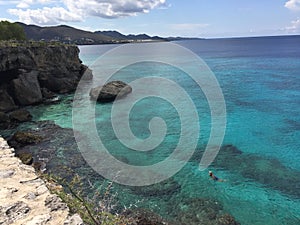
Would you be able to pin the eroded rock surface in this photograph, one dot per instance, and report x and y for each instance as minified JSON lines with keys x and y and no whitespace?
{"x":110,"y":91}
{"x":25,"y":198}
{"x":31,"y":74}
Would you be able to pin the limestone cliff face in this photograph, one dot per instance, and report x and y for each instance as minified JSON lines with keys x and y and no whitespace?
{"x":28,"y":72}
{"x":25,"y":199}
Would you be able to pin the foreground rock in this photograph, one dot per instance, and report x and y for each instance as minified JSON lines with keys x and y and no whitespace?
{"x":25,"y":198}
{"x":30,"y":74}
{"x":110,"y":91}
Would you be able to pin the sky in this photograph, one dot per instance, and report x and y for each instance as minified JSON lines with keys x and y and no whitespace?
{"x":185,"y":18}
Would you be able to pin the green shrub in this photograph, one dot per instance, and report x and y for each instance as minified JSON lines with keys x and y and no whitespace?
{"x":92,"y":211}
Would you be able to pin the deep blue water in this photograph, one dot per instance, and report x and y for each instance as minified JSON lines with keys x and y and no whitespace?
{"x":260,"y":80}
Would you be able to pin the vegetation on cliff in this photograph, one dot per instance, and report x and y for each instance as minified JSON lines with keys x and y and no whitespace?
{"x":11,"y":31}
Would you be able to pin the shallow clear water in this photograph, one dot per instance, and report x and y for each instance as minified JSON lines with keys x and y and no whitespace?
{"x":260,"y":80}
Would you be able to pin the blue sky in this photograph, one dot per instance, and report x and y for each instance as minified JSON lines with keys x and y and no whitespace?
{"x":193,"y":18}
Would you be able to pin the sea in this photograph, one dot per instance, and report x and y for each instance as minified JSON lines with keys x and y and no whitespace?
{"x":259,"y":157}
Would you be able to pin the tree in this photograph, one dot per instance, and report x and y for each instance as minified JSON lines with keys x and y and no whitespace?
{"x":11,"y":31}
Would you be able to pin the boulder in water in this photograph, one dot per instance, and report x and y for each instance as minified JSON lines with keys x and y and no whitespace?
{"x":24,"y":138}
{"x":25,"y":157}
{"x":110,"y":91}
{"x":21,"y":115}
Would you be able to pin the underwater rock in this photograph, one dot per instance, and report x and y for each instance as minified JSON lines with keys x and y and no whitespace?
{"x":226,"y":219}
{"x":167,"y":187}
{"x":110,"y":91}
{"x":202,"y":211}
{"x":145,"y":217}
{"x":269,"y":172}
{"x":25,"y":157}
{"x":24,"y":138}
{"x":20,"y":115}
{"x":231,"y":149}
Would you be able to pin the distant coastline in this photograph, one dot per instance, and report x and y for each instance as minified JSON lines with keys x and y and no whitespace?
{"x":71,"y":35}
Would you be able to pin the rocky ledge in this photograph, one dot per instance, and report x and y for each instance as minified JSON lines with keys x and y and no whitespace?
{"x":25,"y":198}
{"x":29,"y":74}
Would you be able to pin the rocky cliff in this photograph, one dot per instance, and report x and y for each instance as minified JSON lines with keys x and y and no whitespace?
{"x":25,"y":198}
{"x":32,"y":73}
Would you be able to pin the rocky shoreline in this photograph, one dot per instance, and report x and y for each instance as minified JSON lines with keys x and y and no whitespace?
{"x":25,"y":198}
{"x":34,"y":74}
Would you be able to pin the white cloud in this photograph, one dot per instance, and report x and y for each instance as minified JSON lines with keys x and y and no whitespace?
{"x":294,"y":27}
{"x":78,"y":10}
{"x":112,"y":8}
{"x":28,"y":3}
{"x":293,"y":4}
{"x":45,"y":16}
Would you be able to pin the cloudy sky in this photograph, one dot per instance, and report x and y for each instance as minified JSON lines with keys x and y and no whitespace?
{"x":197,"y":18}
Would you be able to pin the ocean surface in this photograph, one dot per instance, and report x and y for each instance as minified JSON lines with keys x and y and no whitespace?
{"x":260,"y":157}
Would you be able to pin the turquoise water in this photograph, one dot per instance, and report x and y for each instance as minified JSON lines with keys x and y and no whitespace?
{"x":260,"y":80}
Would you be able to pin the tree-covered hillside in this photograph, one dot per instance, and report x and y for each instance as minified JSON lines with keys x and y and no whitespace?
{"x":11,"y":31}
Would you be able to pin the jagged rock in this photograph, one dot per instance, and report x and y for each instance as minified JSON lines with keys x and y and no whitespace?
{"x":74,"y":220}
{"x":13,"y":212}
{"x":25,"y":157}
{"x":109,"y":91}
{"x":20,"y":115}
{"x":25,"y":70}
{"x":58,"y":84}
{"x":47,"y":94}
{"x":30,"y":196}
{"x":6,"y":173}
{"x":4,"y":120}
{"x":4,"y":117}
{"x":23,"y":195}
{"x":6,"y":101}
{"x":39,"y":166}
{"x":40,"y":220}
{"x":41,"y":190}
{"x":27,"y":89}
{"x":87,"y":73}
{"x":55,"y":203}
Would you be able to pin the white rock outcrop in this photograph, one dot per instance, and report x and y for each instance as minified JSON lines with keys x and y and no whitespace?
{"x":25,"y":198}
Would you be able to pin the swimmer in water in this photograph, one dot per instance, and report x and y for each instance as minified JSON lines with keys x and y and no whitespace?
{"x":213,"y":177}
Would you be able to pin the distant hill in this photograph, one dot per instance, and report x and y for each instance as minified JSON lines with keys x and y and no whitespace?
{"x":71,"y":35}
{"x":132,"y":37}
